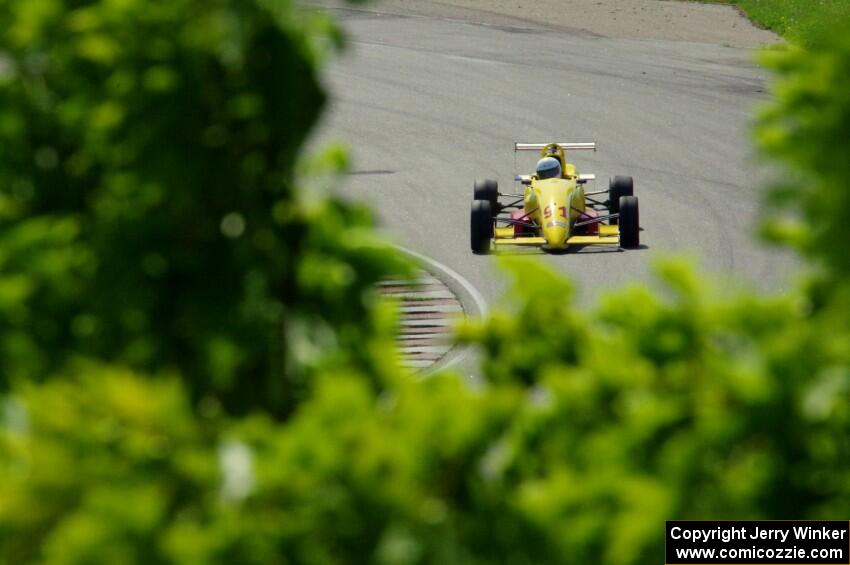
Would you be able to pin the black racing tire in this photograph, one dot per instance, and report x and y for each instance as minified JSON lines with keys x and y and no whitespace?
{"x":629,"y":222}
{"x":618,"y":187}
{"x":481,"y":226}
{"x":487,"y":190}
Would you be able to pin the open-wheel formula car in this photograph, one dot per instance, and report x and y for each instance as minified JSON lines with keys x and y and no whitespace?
{"x":554,"y":212}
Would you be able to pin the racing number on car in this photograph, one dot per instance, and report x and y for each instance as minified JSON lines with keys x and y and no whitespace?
{"x":547,"y":212}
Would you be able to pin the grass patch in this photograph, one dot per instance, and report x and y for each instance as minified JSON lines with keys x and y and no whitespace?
{"x":801,"y":21}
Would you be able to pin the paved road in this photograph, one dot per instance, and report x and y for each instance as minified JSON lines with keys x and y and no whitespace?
{"x":429,"y":104}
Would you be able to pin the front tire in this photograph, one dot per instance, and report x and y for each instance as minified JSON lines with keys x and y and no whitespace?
{"x":486,"y":190}
{"x":629,"y":222}
{"x":618,"y":187}
{"x":481,"y":226}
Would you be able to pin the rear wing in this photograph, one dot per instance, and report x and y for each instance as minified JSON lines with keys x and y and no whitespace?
{"x":526,"y":179}
{"x":565,"y":146}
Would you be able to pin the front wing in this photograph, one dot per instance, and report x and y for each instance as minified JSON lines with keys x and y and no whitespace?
{"x":608,"y":235}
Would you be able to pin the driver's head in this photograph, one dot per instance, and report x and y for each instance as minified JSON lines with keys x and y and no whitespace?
{"x":548,"y":168}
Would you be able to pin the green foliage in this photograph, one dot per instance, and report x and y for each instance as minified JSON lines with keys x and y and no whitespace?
{"x":148,"y":213}
{"x":97,"y":472}
{"x":807,"y":128}
{"x":96,"y":467}
{"x":648,"y":409}
{"x":195,"y":370}
{"x":683,"y":408}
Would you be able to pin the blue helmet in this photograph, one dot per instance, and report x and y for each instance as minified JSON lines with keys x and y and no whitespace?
{"x":548,"y":168}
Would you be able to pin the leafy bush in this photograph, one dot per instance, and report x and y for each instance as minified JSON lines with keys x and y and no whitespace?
{"x":807,"y":128}
{"x":237,"y":399}
{"x":148,"y":211}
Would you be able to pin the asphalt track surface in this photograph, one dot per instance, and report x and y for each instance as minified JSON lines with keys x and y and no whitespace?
{"x":426,"y":105}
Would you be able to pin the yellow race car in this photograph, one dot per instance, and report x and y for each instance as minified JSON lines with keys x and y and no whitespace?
{"x":554,"y":212}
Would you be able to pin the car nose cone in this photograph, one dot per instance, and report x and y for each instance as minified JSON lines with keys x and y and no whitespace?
{"x":555,"y":234}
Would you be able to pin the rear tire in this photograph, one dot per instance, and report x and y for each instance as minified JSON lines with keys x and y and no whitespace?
{"x":481,"y":226}
{"x":618,"y":187}
{"x":487,"y":190}
{"x":629,"y":222}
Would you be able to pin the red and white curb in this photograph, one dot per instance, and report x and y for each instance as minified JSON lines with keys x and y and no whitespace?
{"x":427,"y":311}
